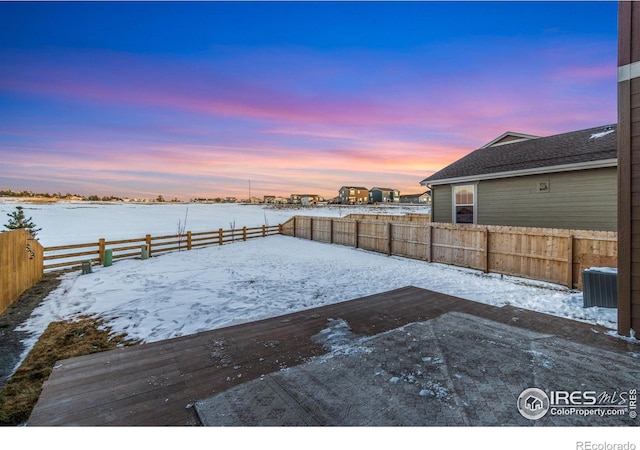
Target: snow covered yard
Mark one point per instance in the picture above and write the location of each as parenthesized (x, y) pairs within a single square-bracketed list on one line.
[(65, 223), (186, 292)]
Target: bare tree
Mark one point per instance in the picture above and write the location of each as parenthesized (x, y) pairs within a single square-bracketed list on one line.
[(182, 226)]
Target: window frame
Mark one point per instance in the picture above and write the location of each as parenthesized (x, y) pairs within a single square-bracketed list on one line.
[(454, 204)]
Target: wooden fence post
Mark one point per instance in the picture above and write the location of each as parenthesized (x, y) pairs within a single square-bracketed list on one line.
[(264, 230), (311, 228), (188, 240), (219, 236), (294, 226), (429, 228), (357, 235), (485, 244), (244, 233), (279, 228), (331, 231), (147, 240), (101, 246), (570, 261), (389, 238)]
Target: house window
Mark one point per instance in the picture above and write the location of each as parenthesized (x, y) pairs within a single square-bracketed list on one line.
[(464, 204)]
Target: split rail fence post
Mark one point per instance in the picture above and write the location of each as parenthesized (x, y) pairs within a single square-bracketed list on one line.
[(294, 226), (311, 228), (264, 230), (219, 236), (188, 240), (147, 240), (101, 246), (389, 238), (244, 233)]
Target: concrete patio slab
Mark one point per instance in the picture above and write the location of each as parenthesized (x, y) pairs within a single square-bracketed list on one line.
[(453, 370)]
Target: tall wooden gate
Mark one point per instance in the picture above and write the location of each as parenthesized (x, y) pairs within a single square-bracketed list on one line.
[(21, 265)]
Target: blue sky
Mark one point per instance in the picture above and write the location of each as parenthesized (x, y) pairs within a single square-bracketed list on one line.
[(195, 99)]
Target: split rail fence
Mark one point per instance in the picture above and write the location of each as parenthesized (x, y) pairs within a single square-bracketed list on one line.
[(66, 257), (553, 255), (21, 259)]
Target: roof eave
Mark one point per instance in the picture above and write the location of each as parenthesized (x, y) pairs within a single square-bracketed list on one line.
[(599, 164)]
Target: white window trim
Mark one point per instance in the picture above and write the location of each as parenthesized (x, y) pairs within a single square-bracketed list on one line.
[(454, 204)]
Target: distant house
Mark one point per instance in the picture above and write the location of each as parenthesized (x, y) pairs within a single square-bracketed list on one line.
[(384, 195), (306, 199), (421, 199), (563, 181), (353, 195), (273, 200), (280, 200)]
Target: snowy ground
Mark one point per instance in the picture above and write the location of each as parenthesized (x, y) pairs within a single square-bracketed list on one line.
[(66, 223), (185, 292), (190, 291)]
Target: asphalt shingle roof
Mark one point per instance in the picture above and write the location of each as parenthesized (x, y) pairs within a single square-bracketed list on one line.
[(593, 144)]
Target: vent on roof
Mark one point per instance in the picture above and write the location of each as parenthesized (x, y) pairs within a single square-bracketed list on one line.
[(607, 130)]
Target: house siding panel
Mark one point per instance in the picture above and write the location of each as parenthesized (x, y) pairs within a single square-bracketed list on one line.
[(585, 199), (441, 204)]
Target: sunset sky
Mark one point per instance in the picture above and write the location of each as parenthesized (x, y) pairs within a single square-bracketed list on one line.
[(207, 99)]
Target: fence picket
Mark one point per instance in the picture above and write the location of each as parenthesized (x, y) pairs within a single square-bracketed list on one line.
[(553, 255), (21, 260)]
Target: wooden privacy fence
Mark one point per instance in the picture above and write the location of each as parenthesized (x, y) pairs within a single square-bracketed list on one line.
[(553, 255), (71, 256), (21, 259)]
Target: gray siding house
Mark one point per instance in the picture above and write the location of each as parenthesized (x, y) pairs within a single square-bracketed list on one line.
[(564, 181), (423, 198), (384, 195)]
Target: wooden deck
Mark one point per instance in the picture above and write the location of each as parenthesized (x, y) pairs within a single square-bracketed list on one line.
[(155, 384)]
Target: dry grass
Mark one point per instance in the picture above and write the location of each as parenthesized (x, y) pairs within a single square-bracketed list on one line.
[(61, 340)]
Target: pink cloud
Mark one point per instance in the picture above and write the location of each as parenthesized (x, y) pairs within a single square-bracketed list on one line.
[(151, 86), (202, 121)]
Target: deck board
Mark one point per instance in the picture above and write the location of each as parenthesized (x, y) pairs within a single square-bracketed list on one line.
[(154, 384)]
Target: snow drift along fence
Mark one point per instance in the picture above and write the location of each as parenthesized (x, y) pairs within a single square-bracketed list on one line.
[(553, 255), (65, 257), (21, 259)]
